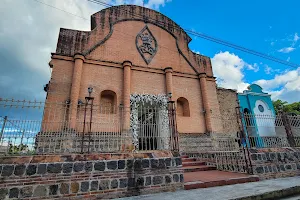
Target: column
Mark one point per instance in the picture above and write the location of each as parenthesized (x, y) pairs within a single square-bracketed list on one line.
[(205, 102), (126, 93), (169, 80), (75, 88)]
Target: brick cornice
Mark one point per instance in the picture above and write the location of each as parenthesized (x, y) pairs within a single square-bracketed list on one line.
[(79, 56), (127, 63), (120, 65), (168, 69)]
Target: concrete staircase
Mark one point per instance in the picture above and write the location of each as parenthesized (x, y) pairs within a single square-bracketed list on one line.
[(191, 165), (198, 175)]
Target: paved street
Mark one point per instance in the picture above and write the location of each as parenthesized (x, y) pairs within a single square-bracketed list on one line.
[(230, 191)]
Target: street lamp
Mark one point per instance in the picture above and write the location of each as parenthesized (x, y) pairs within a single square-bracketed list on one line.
[(90, 90), (87, 100)]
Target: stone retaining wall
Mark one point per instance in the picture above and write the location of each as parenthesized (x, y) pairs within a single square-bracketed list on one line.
[(275, 162), (89, 176), (194, 142)]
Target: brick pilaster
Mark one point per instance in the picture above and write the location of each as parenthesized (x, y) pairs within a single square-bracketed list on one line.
[(126, 93), (169, 80), (206, 105), (75, 89)]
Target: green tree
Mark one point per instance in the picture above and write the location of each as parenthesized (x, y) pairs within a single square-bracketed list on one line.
[(293, 108)]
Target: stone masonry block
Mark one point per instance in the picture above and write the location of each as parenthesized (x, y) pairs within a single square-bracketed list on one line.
[(114, 184), (123, 183), (121, 164), (85, 186), (54, 168), (26, 192), (53, 189), (7, 170), (148, 181), (154, 163), (161, 163), (40, 191), (140, 181), (112, 165), (14, 193), (157, 180), (99, 166), (67, 167), (137, 164), (78, 167), (31, 170), (104, 184), (42, 169), (74, 187), (19, 170), (65, 188), (3, 193), (94, 185), (145, 163), (88, 167), (176, 178)]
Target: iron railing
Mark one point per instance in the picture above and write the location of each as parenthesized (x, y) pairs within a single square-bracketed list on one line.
[(272, 131), (31, 127)]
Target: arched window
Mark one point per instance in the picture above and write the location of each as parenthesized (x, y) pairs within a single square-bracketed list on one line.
[(183, 108), (108, 102)]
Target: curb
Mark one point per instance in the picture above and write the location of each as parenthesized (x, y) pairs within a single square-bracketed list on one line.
[(277, 194)]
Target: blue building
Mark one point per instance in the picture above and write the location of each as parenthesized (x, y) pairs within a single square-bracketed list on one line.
[(259, 112)]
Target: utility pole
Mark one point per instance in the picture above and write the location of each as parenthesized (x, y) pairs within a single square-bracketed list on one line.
[(3, 126)]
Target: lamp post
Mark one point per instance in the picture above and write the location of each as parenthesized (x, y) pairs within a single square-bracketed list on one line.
[(172, 124), (87, 100)]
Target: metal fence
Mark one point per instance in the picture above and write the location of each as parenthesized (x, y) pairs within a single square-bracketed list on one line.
[(31, 127), (272, 131)]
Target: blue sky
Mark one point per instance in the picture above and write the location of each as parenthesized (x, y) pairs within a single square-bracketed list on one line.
[(270, 28), (29, 30)]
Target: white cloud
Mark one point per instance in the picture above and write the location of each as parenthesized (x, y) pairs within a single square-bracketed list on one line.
[(296, 37), (279, 80), (228, 68), (28, 34), (285, 86), (286, 49), (268, 69), (288, 59), (253, 67)]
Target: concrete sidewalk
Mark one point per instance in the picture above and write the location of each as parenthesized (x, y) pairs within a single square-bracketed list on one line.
[(268, 189)]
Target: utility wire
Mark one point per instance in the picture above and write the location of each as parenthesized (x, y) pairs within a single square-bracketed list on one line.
[(120, 32), (197, 34), (213, 39)]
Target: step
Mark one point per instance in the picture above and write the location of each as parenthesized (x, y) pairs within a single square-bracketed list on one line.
[(230, 181), (194, 163), (184, 156), (198, 168), (188, 159)]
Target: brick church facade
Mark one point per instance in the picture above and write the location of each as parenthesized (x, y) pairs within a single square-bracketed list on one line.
[(135, 50)]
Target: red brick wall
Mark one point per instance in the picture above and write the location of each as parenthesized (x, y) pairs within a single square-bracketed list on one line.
[(103, 70)]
